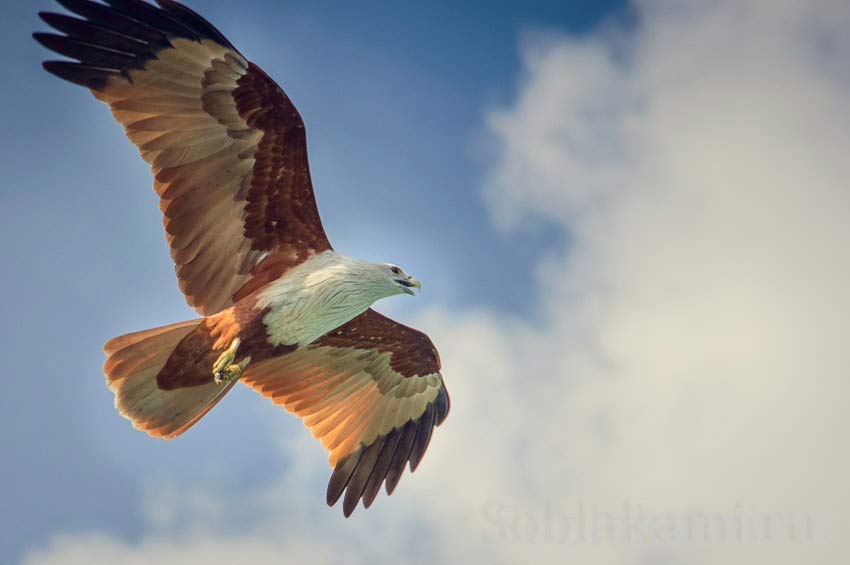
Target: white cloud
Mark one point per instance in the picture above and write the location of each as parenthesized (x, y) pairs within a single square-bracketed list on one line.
[(691, 354), (200, 549)]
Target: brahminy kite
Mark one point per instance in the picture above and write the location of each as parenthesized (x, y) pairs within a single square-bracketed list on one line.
[(283, 312)]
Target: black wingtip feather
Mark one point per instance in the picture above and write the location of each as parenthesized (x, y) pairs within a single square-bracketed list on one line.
[(361, 475), (379, 472), (154, 17), (442, 405), (402, 454), (86, 53), (96, 35), (341, 476), (195, 21), (116, 22), (423, 438), (83, 75)]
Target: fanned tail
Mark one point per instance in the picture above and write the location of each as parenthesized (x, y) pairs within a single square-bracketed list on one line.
[(133, 364)]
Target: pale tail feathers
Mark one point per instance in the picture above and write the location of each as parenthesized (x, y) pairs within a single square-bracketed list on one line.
[(133, 362)]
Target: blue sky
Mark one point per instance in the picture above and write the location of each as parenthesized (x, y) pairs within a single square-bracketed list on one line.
[(657, 328), (394, 95)]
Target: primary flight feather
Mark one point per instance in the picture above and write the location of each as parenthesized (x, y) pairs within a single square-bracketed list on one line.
[(283, 312)]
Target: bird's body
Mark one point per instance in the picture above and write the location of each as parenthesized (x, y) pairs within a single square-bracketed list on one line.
[(283, 312)]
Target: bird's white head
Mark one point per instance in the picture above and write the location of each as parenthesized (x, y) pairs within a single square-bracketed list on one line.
[(391, 279), (336, 277)]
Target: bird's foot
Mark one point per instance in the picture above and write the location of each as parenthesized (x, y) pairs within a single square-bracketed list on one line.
[(224, 368)]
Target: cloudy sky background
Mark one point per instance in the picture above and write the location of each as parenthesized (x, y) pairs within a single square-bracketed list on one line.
[(631, 225)]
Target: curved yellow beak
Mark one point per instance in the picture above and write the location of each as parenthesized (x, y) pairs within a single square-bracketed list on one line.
[(412, 282)]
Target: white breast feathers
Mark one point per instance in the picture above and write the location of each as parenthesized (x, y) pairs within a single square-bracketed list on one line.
[(319, 295)]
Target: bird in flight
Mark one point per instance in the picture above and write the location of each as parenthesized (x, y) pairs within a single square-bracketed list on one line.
[(282, 311)]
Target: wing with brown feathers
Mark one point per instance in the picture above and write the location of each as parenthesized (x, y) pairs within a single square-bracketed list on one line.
[(226, 145), (371, 391)]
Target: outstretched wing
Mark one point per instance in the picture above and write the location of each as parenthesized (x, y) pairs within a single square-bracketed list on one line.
[(371, 391), (226, 145)]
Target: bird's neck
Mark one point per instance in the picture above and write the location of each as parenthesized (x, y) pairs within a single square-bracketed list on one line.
[(315, 297)]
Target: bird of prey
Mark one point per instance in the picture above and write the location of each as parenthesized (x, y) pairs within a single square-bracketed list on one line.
[(282, 311)]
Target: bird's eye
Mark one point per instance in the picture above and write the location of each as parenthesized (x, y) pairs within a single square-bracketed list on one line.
[(395, 271)]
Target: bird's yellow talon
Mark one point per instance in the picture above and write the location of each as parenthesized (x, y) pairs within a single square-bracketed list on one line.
[(224, 368)]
